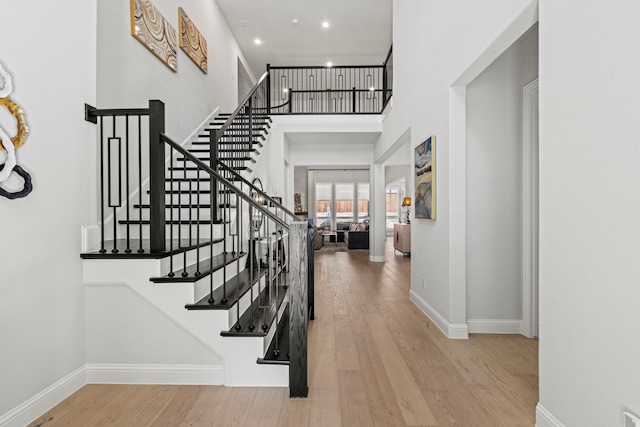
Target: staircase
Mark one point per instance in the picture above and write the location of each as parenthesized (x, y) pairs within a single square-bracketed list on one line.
[(201, 243)]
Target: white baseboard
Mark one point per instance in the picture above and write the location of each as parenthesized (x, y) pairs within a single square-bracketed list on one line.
[(155, 374), (451, 330), (33, 408), (379, 258), (544, 418), (109, 374), (494, 326)]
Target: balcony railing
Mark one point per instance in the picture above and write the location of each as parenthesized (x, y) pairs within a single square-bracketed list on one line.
[(354, 89)]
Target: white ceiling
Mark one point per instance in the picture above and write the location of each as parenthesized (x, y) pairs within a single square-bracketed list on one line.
[(359, 32)]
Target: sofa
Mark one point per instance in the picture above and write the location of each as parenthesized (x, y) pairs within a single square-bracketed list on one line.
[(341, 228), (357, 237)]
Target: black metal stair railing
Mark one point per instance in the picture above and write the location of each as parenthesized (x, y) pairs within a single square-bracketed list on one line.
[(242, 134), (209, 221), (125, 159), (271, 268)]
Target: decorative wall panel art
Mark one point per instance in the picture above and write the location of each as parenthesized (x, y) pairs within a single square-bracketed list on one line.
[(425, 196), (154, 32), (9, 145), (191, 41)]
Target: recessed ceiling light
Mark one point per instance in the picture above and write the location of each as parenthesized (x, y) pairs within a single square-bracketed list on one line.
[(329, 64), (294, 21), (325, 24), (258, 42)]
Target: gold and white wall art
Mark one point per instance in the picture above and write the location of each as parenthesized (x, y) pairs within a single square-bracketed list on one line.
[(191, 41), (154, 32)]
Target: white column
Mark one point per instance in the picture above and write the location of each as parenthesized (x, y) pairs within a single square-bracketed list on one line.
[(378, 213)]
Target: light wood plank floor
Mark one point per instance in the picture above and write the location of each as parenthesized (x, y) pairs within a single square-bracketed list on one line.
[(375, 360)]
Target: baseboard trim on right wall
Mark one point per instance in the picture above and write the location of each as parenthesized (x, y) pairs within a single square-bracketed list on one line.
[(494, 326), (451, 330), (544, 418)]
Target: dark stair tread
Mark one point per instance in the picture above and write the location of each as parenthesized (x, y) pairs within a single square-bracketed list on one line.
[(187, 206), (236, 135), (236, 287), (178, 246), (169, 191), (282, 356), (205, 267), (261, 313), (243, 115), (184, 221), (231, 150), (242, 125), (195, 168)]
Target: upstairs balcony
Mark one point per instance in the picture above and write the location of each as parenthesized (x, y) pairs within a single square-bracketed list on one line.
[(350, 89)]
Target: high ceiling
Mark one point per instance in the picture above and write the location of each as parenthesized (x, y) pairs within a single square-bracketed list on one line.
[(359, 31)]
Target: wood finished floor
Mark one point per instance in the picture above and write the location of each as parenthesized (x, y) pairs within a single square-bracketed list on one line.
[(375, 360)]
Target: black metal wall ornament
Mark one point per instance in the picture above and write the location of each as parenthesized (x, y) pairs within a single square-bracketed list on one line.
[(9, 144)]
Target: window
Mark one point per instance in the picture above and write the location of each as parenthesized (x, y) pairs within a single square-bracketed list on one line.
[(344, 202), (392, 207), (363, 201), (323, 204)]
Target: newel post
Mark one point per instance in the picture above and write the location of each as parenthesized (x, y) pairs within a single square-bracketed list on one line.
[(156, 176), (298, 310)]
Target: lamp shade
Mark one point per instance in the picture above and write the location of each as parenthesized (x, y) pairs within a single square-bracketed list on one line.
[(406, 202)]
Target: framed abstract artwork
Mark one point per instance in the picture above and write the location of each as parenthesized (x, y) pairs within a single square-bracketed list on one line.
[(425, 195), (150, 28), (191, 41)]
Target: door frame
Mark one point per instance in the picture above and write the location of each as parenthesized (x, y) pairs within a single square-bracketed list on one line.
[(530, 210)]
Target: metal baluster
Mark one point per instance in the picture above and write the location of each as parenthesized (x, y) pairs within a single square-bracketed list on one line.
[(189, 202), (252, 268), (212, 199), (140, 249), (128, 248), (238, 325), (171, 208), (109, 171), (197, 173), (102, 238)]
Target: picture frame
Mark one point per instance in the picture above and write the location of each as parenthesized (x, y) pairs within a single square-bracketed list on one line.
[(192, 42), (425, 179), (150, 28)]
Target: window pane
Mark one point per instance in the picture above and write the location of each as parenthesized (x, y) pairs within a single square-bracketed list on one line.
[(392, 207), (363, 201), (344, 202), (323, 204)]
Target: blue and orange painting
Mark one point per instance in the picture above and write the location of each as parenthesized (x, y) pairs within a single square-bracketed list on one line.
[(425, 191)]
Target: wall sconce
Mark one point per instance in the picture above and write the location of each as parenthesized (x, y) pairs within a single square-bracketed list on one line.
[(406, 207)]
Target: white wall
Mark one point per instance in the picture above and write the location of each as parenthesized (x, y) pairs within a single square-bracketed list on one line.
[(435, 42), (137, 332), (50, 49), (589, 204), (494, 185), (129, 75)]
